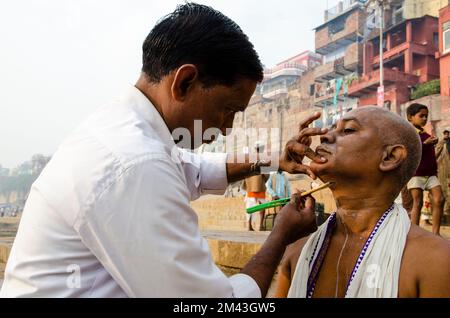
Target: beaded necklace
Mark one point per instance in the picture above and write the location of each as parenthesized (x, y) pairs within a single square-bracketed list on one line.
[(318, 262)]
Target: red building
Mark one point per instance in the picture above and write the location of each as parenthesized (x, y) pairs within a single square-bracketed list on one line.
[(444, 60), (409, 49), (444, 49)]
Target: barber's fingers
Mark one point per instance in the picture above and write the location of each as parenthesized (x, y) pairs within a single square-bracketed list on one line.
[(301, 203), (309, 132), (308, 121), (299, 168), (299, 150), (310, 202), (305, 135)]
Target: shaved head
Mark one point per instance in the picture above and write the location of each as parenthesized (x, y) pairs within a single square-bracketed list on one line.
[(392, 130)]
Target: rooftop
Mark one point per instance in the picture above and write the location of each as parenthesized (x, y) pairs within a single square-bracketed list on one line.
[(343, 8)]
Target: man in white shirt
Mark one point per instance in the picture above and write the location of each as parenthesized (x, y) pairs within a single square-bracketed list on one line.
[(110, 215)]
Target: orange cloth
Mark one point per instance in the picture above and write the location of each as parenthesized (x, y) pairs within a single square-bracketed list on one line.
[(259, 195)]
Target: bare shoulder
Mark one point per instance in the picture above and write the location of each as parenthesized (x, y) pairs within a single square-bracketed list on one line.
[(426, 262), (292, 254), (423, 243)]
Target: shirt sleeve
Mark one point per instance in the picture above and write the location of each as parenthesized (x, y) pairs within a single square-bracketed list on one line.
[(205, 173), (145, 234), (269, 187)]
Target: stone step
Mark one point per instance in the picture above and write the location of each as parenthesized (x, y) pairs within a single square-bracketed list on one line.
[(232, 250)]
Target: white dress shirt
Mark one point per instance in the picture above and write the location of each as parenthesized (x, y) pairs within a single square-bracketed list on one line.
[(110, 215)]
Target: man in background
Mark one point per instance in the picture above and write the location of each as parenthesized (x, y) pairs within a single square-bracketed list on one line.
[(278, 186), (425, 178), (255, 187), (443, 162)]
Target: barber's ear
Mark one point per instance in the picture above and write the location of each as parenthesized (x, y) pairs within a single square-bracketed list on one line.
[(393, 157), (185, 76)]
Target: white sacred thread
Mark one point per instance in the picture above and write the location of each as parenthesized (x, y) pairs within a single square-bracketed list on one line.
[(339, 259)]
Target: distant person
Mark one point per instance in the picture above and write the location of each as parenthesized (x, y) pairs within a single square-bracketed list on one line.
[(278, 185), (255, 195), (255, 188), (443, 162), (425, 178)]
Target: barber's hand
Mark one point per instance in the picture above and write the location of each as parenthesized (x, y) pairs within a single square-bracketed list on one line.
[(299, 147), (296, 219)]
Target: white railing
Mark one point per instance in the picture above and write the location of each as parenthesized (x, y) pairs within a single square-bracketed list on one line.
[(341, 7)]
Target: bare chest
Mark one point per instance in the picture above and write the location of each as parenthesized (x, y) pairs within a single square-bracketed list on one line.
[(336, 269), (338, 265)]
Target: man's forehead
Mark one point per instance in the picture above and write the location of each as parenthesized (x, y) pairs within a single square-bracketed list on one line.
[(367, 114), (360, 116)]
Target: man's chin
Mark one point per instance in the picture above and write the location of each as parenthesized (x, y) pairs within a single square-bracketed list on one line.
[(321, 170), (317, 168)]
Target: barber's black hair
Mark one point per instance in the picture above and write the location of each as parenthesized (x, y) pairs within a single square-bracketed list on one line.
[(413, 109), (446, 131), (198, 34)]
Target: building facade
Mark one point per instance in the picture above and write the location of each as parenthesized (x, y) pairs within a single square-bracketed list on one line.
[(339, 40), (409, 49), (444, 50), (278, 79)]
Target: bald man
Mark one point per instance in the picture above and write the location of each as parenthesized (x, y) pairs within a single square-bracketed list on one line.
[(367, 248)]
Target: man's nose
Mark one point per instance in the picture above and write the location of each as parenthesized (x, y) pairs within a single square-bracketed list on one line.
[(328, 138)]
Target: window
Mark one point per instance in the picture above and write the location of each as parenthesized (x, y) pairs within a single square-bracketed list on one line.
[(446, 26), (436, 39), (446, 41), (311, 90), (337, 26)]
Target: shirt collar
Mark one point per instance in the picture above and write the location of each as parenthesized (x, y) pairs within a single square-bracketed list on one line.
[(419, 130), (142, 105)]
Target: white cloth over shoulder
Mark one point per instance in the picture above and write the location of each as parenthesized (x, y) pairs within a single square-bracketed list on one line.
[(110, 215), (378, 273)]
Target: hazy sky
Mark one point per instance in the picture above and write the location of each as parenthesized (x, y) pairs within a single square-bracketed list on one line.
[(60, 59)]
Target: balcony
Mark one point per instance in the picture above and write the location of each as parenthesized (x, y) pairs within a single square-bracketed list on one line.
[(369, 83), (276, 92), (325, 72), (341, 66), (268, 75), (324, 92)]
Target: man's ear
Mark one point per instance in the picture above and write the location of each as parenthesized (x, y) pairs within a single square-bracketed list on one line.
[(393, 157), (184, 78)]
